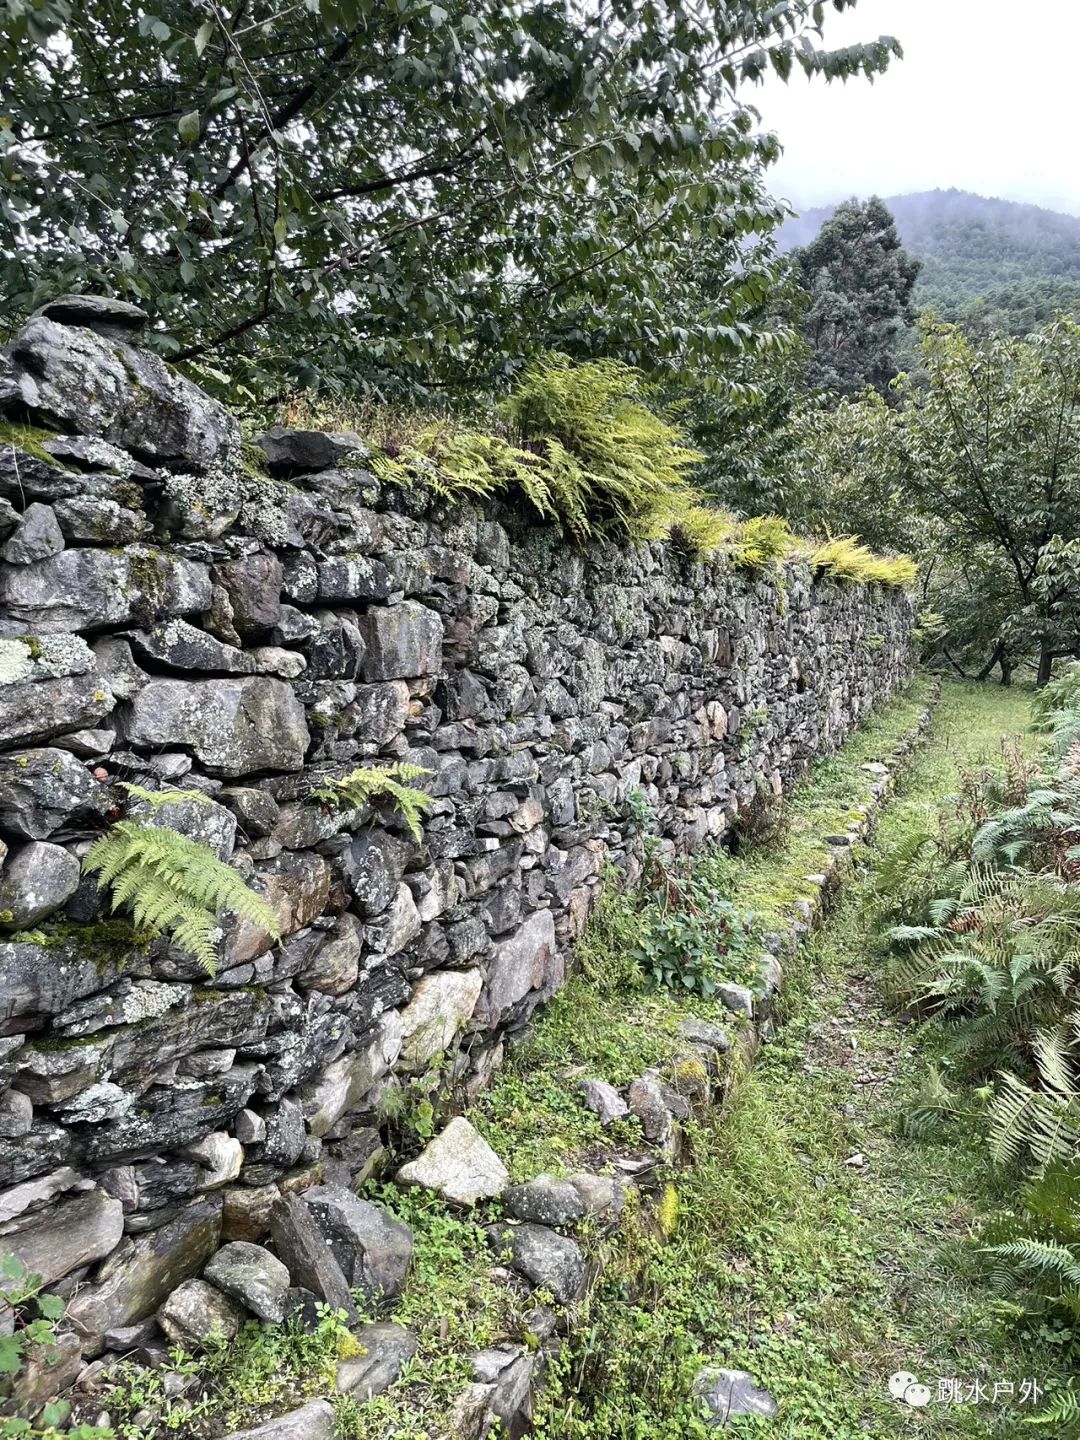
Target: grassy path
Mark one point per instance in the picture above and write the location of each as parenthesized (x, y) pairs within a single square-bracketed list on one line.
[(850, 1234), (815, 1245)]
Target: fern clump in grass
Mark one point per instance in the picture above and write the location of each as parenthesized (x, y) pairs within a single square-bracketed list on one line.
[(372, 783), (170, 884)]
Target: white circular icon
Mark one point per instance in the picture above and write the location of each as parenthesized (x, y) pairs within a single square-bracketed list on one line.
[(900, 1383), (917, 1395)]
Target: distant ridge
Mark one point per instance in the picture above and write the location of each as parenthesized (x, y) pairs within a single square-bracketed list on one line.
[(1015, 263)]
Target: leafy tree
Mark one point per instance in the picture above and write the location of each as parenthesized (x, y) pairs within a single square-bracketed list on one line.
[(995, 450), (398, 195), (859, 282)]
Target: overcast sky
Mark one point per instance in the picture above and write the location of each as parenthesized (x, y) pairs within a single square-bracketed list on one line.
[(987, 98)]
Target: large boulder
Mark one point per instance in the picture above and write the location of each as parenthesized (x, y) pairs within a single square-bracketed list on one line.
[(551, 1261), (253, 1276), (89, 589), (524, 961), (440, 1007), (78, 379), (234, 727)]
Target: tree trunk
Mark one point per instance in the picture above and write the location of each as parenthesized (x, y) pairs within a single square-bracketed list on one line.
[(1046, 665), (998, 654)]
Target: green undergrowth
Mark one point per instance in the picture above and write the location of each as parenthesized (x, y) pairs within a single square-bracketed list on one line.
[(817, 1246)]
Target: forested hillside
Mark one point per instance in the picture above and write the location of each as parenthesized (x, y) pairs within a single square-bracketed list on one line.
[(992, 263)]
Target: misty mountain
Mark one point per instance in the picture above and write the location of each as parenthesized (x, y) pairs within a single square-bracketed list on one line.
[(989, 263)]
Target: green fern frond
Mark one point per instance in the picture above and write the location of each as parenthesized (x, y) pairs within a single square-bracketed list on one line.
[(371, 783), (172, 885), (157, 798)]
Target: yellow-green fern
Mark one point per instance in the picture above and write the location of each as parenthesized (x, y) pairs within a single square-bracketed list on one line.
[(845, 559), (369, 784)]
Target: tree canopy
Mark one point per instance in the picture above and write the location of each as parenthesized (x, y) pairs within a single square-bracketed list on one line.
[(405, 194)]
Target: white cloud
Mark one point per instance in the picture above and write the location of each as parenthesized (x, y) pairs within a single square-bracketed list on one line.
[(979, 102)]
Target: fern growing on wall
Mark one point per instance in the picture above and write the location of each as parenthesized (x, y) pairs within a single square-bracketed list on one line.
[(170, 884), (372, 783)]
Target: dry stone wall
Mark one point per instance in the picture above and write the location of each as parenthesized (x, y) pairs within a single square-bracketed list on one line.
[(169, 617)]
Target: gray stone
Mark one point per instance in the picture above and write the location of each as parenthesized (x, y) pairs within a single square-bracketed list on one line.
[(545, 1200), (459, 1165), (736, 998), (273, 660), (387, 1349), (38, 709), (290, 451), (87, 744), (41, 789), (731, 1393), (147, 1271), (403, 641), (201, 820), (184, 647), (647, 1102), (196, 1312), (553, 1262), (506, 1373), (220, 1157), (400, 925), (374, 864), (307, 1254), (35, 882), (37, 536), (87, 589), (71, 1233), (253, 585), (520, 963), (115, 319), (603, 1100), (256, 811), (99, 519), (372, 1248), (334, 966), (70, 377), (344, 1083), (440, 1007), (703, 1034), (600, 1195), (234, 727), (46, 979), (26, 477), (251, 1275), (313, 1421), (351, 578), (16, 1114)]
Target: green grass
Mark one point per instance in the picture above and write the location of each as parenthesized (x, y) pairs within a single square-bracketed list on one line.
[(820, 1277)]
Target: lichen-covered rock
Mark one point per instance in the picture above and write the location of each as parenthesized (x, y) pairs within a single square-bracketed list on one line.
[(39, 709), (313, 1421), (402, 641), (545, 1200), (87, 589), (40, 790), (553, 1262), (604, 1101), (44, 979), (87, 519), (234, 727), (253, 585), (36, 537), (36, 880), (197, 1312), (253, 1276), (307, 1253), (440, 1007), (182, 646), (372, 1248), (459, 1165), (74, 378)]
